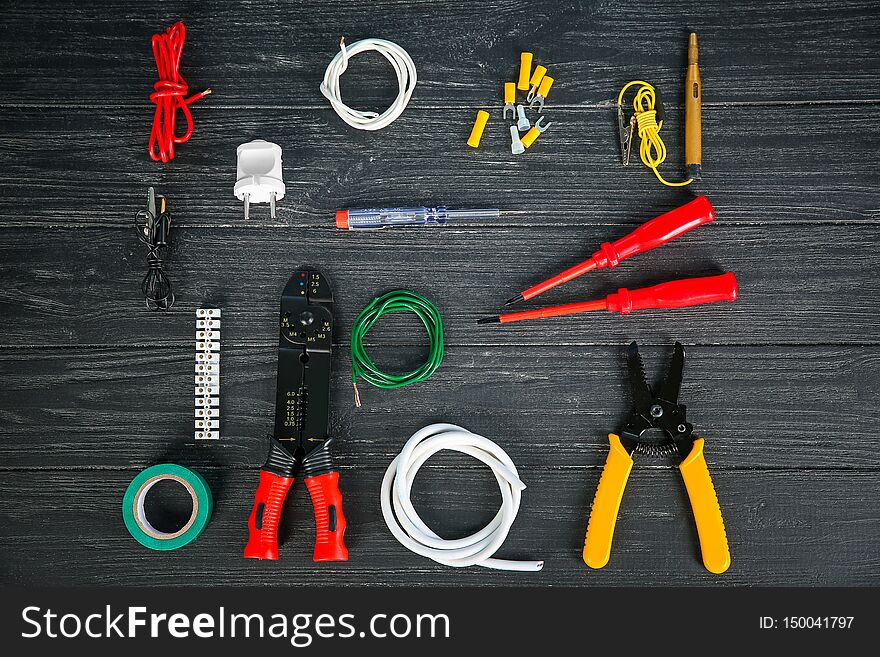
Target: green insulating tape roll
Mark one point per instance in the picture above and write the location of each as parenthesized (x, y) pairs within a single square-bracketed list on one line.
[(135, 517)]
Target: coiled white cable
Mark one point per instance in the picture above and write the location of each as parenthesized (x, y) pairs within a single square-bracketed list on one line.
[(405, 523), (406, 80)]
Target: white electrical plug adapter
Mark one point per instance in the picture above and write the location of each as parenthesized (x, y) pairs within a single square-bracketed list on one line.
[(259, 178)]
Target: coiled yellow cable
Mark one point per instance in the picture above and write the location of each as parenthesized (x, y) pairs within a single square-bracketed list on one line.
[(652, 150)]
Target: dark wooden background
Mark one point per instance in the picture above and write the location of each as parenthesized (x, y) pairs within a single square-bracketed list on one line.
[(783, 383)]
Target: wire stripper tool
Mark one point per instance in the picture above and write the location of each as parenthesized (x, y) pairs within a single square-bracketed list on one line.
[(301, 439), (658, 409)]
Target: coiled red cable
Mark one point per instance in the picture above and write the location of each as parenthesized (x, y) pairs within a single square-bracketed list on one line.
[(169, 94)]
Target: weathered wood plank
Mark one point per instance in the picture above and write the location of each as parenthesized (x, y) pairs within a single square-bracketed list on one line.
[(82, 286), (93, 387), (269, 52), (785, 528), (758, 407), (69, 166)]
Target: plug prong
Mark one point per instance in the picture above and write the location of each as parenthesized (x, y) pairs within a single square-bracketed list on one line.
[(272, 205), (247, 206)]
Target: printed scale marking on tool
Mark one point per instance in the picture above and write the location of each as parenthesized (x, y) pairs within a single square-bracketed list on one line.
[(301, 423), (657, 409)]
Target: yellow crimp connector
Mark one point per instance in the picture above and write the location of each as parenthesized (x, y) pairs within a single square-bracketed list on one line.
[(509, 93), (529, 138), (477, 131), (525, 69), (538, 75), (546, 83)]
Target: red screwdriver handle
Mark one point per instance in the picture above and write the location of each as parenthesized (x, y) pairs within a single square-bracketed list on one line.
[(263, 521), (649, 235), (329, 519), (656, 232), (675, 294)]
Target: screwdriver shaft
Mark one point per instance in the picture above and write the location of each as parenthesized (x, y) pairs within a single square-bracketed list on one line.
[(570, 273), (554, 311)]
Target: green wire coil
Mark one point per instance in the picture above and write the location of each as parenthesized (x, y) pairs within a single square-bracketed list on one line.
[(397, 301)]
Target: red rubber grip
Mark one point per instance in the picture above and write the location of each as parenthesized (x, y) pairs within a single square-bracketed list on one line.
[(263, 521), (329, 520)]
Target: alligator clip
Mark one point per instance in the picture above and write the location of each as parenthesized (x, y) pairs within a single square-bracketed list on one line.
[(657, 409), (301, 437), (153, 218), (625, 131)]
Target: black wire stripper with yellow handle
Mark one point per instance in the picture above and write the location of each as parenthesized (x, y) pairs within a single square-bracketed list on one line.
[(657, 410)]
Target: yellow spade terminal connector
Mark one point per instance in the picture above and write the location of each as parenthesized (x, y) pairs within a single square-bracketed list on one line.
[(477, 131), (534, 132), (546, 83), (537, 76), (509, 99), (543, 90), (525, 69), (529, 138)]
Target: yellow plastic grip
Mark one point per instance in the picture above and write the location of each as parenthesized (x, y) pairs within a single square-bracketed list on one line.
[(529, 138), (525, 69), (606, 504), (707, 513), (546, 83), (477, 131), (509, 92), (538, 75)]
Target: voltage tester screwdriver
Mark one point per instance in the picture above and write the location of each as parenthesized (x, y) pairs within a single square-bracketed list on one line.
[(674, 294), (650, 235), (693, 139), (375, 218)]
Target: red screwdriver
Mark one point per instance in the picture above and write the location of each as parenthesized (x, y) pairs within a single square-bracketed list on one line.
[(649, 235), (674, 294)]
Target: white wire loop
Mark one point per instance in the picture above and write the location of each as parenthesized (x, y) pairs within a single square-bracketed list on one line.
[(409, 529), (406, 80)]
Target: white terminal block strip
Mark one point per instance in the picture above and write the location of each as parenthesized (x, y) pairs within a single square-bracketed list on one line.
[(259, 178), (207, 374)]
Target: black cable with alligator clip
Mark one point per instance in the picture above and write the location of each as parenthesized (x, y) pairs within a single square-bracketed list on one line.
[(153, 228)]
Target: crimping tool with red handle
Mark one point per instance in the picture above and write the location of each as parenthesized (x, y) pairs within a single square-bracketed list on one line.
[(301, 437)]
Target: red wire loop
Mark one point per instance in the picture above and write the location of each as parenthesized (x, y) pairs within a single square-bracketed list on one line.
[(169, 94)]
